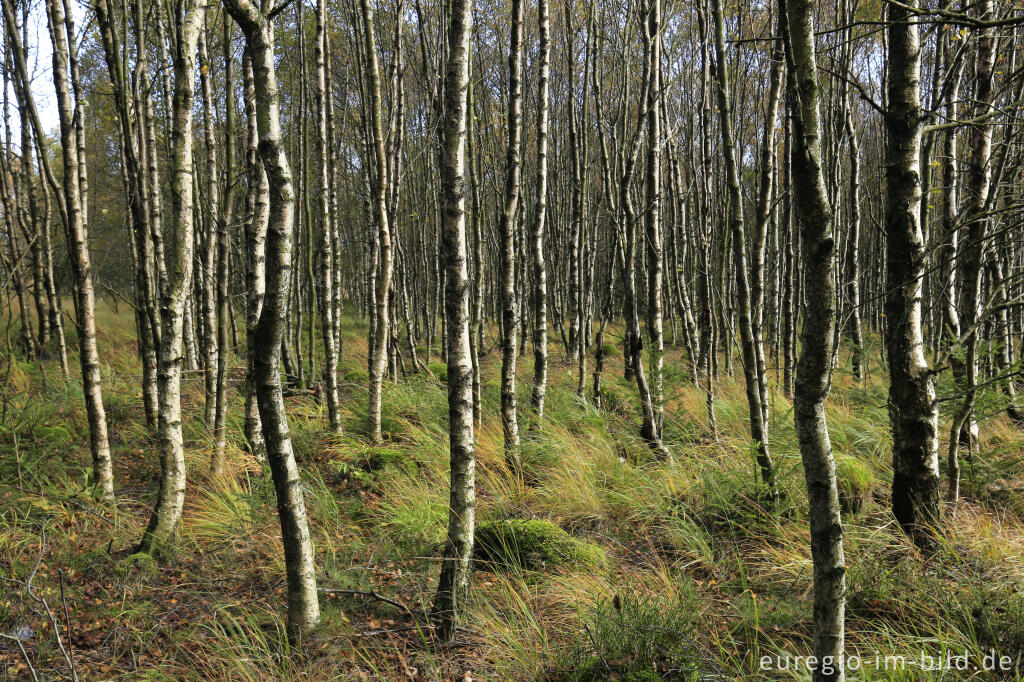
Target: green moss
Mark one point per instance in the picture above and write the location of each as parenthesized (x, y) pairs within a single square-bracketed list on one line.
[(356, 376), (439, 370), (135, 565), (534, 544), (855, 480)]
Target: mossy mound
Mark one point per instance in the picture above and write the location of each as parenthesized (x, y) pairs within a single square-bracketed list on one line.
[(439, 370), (356, 376), (534, 545), (855, 480), (136, 565)]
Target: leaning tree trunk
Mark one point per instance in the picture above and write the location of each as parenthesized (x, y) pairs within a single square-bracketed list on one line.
[(814, 367), (303, 605), (913, 410), (453, 585)]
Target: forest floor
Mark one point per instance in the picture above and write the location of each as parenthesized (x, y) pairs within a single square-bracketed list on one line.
[(701, 581)]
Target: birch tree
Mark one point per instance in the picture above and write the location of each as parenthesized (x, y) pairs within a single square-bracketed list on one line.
[(814, 368), (268, 335), (453, 585)]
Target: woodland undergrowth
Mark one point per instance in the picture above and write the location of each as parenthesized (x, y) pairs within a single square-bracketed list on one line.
[(702, 578)]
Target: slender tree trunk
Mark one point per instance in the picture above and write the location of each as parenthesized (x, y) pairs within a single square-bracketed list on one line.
[(853, 253), (507, 231), (653, 241), (74, 216), (913, 410), (758, 426), (327, 292), (257, 203), (303, 604), (540, 275), (163, 522), (224, 219), (378, 354), (453, 586), (207, 278), (814, 369), (972, 255)]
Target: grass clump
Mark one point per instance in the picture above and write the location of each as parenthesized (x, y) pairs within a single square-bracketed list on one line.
[(636, 637), (356, 376), (439, 370), (384, 459), (856, 481), (534, 544)]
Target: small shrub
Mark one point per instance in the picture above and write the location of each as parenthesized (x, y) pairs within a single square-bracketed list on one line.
[(534, 544)]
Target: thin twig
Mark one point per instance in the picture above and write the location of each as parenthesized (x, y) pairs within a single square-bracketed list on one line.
[(46, 605), (24, 654), (67, 619)]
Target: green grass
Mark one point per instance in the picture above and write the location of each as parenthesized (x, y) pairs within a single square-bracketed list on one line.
[(698, 576)]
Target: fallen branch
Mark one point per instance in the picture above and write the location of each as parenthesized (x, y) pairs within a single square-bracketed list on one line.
[(369, 594)]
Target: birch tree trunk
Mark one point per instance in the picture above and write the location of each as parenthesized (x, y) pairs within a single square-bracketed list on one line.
[(814, 367), (163, 522), (972, 256), (257, 204), (653, 212), (507, 232), (74, 215), (540, 277), (385, 260), (303, 604), (207, 278), (327, 244), (453, 585), (913, 410), (224, 219), (758, 426)]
